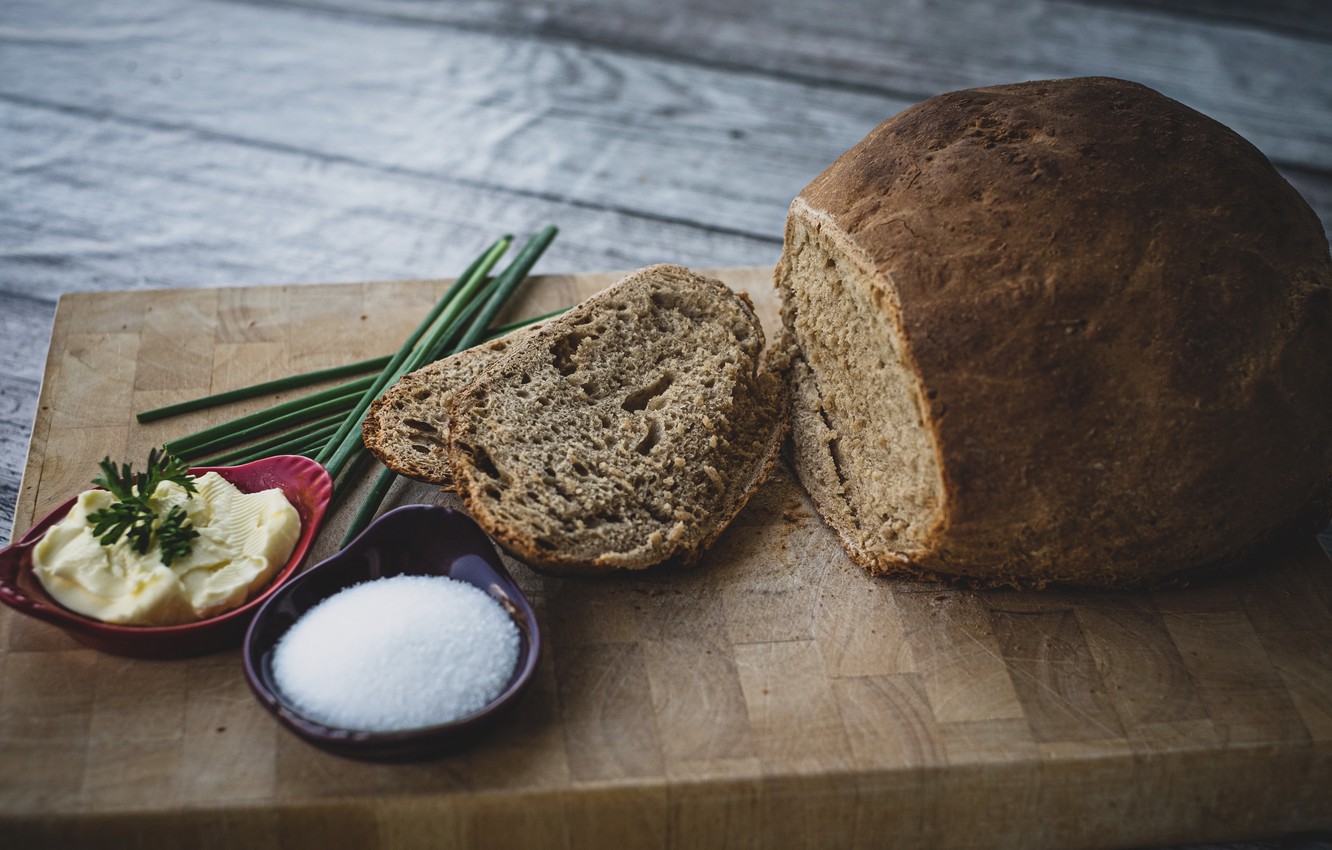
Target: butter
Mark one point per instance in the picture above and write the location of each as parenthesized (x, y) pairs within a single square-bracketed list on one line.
[(244, 539)]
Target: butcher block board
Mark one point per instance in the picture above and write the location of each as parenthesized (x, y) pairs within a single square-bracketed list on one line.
[(772, 696)]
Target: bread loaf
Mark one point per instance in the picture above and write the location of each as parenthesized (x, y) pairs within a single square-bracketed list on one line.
[(1063, 331), (627, 432)]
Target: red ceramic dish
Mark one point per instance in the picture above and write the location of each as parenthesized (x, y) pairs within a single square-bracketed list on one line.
[(305, 484)]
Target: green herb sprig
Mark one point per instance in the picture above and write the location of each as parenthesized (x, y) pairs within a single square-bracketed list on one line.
[(134, 516), (175, 535)]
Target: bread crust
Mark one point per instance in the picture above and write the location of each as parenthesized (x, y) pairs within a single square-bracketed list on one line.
[(1120, 315)]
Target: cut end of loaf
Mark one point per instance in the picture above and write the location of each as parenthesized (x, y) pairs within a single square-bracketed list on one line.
[(860, 444)]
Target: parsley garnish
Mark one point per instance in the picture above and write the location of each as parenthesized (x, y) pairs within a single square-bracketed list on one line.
[(175, 535), (135, 516)]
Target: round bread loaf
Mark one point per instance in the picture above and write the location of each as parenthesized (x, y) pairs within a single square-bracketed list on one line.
[(1065, 331)]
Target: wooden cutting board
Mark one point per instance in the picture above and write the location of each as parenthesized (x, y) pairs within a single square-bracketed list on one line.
[(772, 696)]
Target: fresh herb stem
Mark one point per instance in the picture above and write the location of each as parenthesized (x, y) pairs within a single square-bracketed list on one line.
[(190, 442), (344, 444), (301, 443), (307, 444), (284, 443), (496, 333), (307, 378), (370, 506), (443, 341), (210, 441), (498, 292), (506, 283), (355, 471), (255, 390)]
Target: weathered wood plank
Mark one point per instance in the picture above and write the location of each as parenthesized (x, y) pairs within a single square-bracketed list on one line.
[(157, 207), (1305, 18), (527, 120), (25, 327), (575, 118), (588, 100), (1266, 82)]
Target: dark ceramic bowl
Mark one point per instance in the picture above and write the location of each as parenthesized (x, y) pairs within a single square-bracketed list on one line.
[(412, 540), (305, 484)]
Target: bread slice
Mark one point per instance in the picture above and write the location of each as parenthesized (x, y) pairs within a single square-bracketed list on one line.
[(627, 432), (407, 427), (1062, 331)]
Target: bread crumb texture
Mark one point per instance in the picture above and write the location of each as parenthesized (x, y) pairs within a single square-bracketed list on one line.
[(1064, 331), (407, 427), (627, 432), (861, 432)]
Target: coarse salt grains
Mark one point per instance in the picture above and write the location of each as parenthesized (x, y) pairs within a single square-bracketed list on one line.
[(397, 653)]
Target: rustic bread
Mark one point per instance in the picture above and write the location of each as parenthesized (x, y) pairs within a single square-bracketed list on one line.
[(407, 427), (627, 432), (1064, 331)]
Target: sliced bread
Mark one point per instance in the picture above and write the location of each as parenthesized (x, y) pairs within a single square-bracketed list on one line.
[(407, 427), (627, 432)]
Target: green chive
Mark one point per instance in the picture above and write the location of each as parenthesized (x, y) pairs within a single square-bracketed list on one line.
[(281, 443), (496, 333), (507, 282), (266, 388), (499, 292), (341, 446), (259, 424), (370, 506)]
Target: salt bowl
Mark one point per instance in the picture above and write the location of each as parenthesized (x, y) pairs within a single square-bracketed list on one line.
[(404, 545)]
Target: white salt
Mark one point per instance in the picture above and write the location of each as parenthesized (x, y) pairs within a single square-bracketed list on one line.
[(397, 653)]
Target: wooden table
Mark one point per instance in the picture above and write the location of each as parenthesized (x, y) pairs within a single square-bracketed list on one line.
[(165, 144)]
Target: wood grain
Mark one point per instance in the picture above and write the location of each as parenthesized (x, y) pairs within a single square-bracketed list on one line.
[(772, 696), (894, 48)]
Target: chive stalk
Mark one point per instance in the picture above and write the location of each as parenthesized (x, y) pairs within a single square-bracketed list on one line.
[(506, 283), (498, 293), (303, 444), (242, 430), (340, 447), (281, 443), (496, 333), (266, 388), (303, 404), (307, 378), (370, 506)]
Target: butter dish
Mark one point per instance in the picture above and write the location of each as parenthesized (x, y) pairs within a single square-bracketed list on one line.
[(304, 483)]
